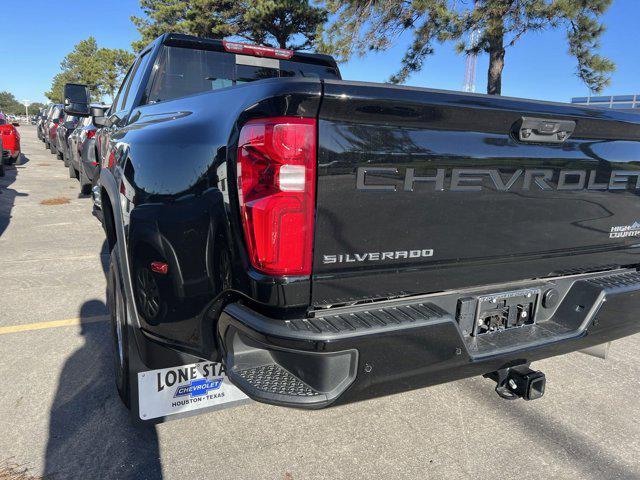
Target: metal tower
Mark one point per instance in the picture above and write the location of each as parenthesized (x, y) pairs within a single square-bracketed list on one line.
[(471, 62)]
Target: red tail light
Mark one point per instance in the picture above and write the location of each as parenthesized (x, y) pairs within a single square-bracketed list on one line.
[(257, 50), (276, 186), (91, 133)]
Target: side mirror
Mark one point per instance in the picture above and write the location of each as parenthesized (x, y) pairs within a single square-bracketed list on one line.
[(76, 99)]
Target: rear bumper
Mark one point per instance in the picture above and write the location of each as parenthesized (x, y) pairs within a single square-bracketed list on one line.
[(363, 352)]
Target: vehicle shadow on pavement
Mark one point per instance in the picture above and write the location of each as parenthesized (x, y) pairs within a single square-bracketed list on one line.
[(23, 161), (8, 195), (90, 432), (568, 442)]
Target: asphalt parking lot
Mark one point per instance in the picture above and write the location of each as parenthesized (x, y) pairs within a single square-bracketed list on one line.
[(60, 416)]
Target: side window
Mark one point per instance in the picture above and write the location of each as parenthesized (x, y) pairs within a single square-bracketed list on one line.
[(134, 85), (114, 105)]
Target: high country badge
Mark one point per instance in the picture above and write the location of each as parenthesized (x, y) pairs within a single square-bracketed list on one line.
[(622, 231)]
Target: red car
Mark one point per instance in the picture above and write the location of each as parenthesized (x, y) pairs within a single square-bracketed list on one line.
[(10, 140)]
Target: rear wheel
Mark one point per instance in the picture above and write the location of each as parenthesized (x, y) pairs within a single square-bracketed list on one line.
[(149, 297), (119, 331), (1, 168)]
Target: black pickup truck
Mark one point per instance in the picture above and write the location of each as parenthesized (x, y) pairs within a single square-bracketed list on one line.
[(330, 241)]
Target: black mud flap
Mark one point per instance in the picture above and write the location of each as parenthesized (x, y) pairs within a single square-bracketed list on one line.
[(175, 385), (165, 384)]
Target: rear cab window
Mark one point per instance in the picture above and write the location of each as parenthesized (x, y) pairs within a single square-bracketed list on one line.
[(182, 71)]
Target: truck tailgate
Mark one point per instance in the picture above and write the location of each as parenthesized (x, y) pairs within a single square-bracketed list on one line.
[(422, 191)]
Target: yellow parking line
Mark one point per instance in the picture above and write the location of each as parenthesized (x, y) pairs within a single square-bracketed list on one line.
[(54, 324)]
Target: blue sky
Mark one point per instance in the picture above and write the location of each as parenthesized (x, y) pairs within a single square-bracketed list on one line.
[(35, 41)]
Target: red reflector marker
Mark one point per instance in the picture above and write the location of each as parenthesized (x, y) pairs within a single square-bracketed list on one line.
[(160, 267), (277, 184), (256, 50)]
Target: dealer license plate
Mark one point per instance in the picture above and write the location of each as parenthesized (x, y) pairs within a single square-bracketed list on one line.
[(170, 391)]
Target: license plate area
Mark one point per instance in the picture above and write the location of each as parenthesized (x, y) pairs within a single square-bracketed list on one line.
[(505, 310)]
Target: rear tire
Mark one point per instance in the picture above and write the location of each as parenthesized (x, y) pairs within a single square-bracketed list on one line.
[(119, 331)]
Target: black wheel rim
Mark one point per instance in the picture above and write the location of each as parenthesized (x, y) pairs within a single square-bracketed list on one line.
[(148, 294)]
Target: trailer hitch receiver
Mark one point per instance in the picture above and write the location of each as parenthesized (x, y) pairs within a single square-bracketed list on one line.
[(519, 382)]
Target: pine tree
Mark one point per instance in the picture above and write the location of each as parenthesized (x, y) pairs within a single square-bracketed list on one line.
[(365, 25), (101, 69), (278, 23), (281, 23), (203, 18)]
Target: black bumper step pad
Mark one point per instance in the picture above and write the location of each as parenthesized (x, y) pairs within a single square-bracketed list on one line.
[(276, 380)]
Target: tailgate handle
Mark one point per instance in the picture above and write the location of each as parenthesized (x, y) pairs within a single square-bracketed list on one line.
[(544, 130)]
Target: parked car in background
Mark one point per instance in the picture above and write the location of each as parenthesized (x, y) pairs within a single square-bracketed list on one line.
[(10, 140), (66, 126), (82, 159), (46, 123), (42, 121), (1, 162), (72, 142), (56, 117)]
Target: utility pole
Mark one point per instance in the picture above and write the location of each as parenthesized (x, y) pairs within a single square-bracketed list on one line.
[(26, 104), (471, 62)]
